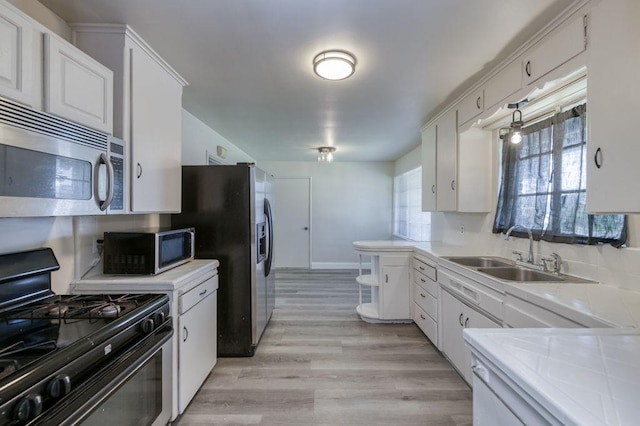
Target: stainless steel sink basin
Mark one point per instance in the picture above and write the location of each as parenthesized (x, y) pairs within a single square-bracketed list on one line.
[(480, 261), (519, 274)]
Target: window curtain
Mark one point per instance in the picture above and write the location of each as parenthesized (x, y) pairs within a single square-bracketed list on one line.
[(543, 185)]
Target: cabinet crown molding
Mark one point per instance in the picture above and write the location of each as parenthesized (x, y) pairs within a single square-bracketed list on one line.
[(127, 31)]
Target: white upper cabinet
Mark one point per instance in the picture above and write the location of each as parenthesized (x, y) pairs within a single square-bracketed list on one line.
[(43, 71), (429, 140), (471, 106), (446, 162), (502, 85), (147, 113), (614, 104), (76, 86), (554, 50), (16, 47)]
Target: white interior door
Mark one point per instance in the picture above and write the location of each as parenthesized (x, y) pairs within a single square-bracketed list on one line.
[(292, 222)]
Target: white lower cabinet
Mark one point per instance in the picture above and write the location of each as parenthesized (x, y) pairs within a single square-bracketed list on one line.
[(425, 297), (456, 316), (489, 409), (389, 282), (198, 350)]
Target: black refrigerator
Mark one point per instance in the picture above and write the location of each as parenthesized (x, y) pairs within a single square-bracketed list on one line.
[(230, 209)]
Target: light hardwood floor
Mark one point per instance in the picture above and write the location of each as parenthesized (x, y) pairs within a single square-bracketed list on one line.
[(319, 364)]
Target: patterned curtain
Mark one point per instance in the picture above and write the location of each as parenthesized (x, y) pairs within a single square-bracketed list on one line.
[(544, 188)]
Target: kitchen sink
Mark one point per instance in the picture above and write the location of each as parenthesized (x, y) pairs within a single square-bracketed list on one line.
[(519, 274), (480, 261)]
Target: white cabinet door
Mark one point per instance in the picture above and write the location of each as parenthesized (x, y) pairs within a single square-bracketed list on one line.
[(452, 323), (76, 86), (555, 50), (447, 159), (455, 317), (396, 295), (155, 135), (505, 83), (471, 106), (429, 139), (612, 149), (16, 47), (198, 347)]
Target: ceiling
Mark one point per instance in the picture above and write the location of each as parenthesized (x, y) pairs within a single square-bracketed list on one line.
[(249, 64)]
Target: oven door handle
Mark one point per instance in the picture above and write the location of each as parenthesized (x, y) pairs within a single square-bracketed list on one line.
[(74, 409)]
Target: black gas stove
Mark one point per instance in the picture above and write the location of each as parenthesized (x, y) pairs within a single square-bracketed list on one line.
[(57, 351)]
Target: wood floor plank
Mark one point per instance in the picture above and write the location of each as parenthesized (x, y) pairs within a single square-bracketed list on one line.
[(319, 364)]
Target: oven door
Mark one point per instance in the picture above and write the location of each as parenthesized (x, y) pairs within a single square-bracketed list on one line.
[(135, 389)]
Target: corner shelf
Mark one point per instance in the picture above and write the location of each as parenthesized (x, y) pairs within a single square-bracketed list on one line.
[(368, 280)]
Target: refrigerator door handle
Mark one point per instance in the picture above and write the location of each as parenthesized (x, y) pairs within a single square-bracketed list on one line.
[(269, 217)]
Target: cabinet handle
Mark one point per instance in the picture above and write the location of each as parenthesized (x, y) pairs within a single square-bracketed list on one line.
[(460, 320), (139, 167), (478, 102), (203, 293), (386, 278), (597, 158), (423, 317), (423, 295), (421, 268), (453, 185), (466, 322), (423, 280), (186, 334), (433, 189), (527, 68)]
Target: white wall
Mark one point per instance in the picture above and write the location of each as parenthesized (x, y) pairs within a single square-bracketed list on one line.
[(349, 202), (198, 138)]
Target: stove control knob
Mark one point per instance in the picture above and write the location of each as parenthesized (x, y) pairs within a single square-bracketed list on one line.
[(159, 318), (59, 386), (147, 325), (28, 408)]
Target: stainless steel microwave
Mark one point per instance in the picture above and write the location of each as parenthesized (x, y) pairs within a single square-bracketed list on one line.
[(53, 167), (148, 251)]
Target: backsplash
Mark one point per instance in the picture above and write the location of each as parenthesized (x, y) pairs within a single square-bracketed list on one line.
[(604, 263)]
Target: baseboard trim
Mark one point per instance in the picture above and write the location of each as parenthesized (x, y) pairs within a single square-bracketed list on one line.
[(339, 265)]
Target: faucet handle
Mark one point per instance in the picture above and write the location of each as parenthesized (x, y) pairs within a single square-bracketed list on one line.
[(557, 262), (518, 254)]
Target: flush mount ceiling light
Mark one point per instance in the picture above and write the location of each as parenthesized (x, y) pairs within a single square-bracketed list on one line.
[(325, 154), (334, 64)]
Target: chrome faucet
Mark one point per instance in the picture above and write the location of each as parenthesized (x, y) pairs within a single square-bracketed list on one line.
[(557, 262), (530, 256)]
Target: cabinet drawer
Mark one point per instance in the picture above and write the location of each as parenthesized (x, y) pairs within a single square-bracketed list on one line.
[(426, 324), (192, 297), (425, 268), (519, 313), (426, 301), (426, 283)]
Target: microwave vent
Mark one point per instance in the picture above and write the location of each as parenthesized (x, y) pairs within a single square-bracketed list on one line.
[(17, 115)]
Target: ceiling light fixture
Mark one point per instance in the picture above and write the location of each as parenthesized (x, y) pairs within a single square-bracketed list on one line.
[(325, 154), (334, 64)]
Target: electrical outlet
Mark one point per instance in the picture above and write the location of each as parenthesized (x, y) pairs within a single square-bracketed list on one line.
[(461, 229)]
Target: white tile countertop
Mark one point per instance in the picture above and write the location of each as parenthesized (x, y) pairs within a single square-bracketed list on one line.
[(170, 280), (607, 304), (579, 376)]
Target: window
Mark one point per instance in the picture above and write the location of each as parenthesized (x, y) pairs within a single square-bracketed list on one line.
[(544, 185), (409, 221)]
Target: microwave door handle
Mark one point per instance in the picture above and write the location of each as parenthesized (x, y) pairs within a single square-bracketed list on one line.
[(104, 204)]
